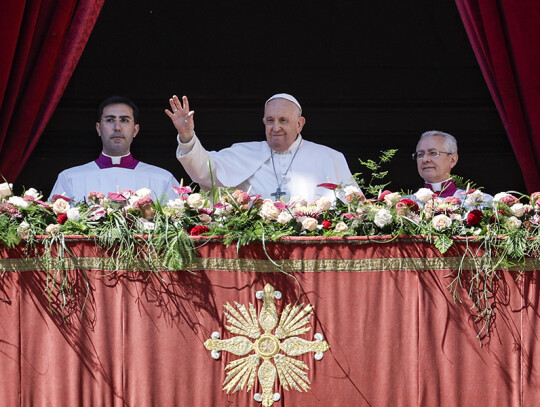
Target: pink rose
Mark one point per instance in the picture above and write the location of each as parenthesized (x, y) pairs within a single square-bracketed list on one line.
[(269, 211), (241, 197), (535, 200), (453, 200), (5, 190)]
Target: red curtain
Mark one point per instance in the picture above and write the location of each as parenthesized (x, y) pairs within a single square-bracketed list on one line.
[(504, 37), (41, 42)]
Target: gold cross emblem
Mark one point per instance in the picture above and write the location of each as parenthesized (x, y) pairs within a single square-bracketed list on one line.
[(273, 349)]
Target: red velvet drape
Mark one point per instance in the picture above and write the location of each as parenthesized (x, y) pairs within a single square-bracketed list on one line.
[(396, 335), (505, 38), (41, 43)]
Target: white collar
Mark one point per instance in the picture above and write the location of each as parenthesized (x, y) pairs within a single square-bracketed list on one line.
[(116, 159), (437, 186), (292, 148)]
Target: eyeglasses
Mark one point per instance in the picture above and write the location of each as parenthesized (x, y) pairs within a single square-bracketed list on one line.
[(111, 120), (431, 154)]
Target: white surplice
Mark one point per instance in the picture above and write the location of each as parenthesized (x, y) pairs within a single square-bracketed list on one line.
[(77, 182), (245, 165)]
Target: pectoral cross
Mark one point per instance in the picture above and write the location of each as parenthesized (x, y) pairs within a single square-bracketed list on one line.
[(278, 194)]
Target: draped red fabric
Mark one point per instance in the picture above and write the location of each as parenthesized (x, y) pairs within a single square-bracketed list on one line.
[(396, 335), (42, 41), (504, 36)]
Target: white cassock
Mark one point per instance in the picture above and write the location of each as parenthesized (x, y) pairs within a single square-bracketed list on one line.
[(296, 171), (77, 182)]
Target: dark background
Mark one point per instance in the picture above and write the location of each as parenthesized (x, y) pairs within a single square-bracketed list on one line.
[(370, 76)]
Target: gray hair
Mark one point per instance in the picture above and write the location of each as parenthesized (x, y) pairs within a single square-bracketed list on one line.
[(450, 143)]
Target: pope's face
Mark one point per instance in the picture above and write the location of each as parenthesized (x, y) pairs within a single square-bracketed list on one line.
[(283, 123), (434, 169), (117, 129)]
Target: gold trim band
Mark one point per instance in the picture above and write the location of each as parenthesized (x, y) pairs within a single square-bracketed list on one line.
[(263, 266)]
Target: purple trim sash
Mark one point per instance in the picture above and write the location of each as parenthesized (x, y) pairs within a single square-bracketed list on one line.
[(448, 188)]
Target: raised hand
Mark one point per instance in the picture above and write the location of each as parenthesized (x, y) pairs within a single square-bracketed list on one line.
[(181, 117)]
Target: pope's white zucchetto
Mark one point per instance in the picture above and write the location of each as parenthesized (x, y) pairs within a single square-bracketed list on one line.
[(285, 96)]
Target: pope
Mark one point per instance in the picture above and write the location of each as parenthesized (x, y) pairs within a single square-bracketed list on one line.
[(284, 166)]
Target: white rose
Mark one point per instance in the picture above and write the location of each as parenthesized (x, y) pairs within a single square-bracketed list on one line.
[(24, 230), (513, 223), (205, 218), (5, 189), (269, 211), (474, 198), (224, 210), (520, 209), (351, 189), (60, 206), (195, 201), (309, 224), (98, 213), (323, 204), (33, 193), (441, 222), (131, 201), (423, 195), (341, 227), (499, 196), (141, 193), (52, 229), (145, 224), (383, 217), (392, 198), (18, 202), (298, 201), (176, 204), (284, 217), (73, 214)]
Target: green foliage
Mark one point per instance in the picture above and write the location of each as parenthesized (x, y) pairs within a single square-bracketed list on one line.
[(375, 184), (443, 243), (462, 183), (9, 236)]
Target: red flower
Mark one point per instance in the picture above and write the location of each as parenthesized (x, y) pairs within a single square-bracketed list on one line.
[(65, 198), (326, 224), (328, 185), (116, 196), (61, 218), (407, 204), (199, 229), (383, 194), (474, 217), (182, 190)]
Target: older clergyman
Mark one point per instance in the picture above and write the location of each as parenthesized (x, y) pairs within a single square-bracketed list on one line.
[(282, 167), (436, 154), (117, 125)]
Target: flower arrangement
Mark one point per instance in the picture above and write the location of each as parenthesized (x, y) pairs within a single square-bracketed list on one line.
[(132, 225)]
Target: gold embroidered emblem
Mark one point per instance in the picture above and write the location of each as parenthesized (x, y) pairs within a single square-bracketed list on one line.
[(273, 349)]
